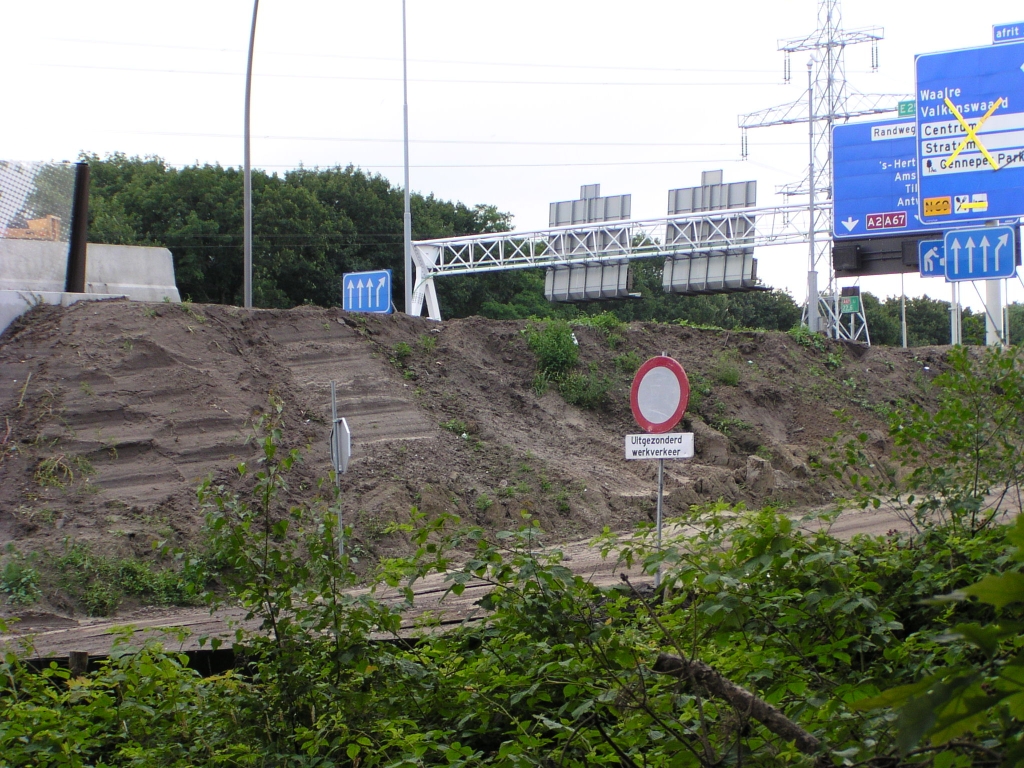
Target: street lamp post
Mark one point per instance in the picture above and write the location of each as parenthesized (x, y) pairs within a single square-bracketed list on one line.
[(407, 215), (247, 189)]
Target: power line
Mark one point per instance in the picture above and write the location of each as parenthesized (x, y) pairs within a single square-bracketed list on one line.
[(484, 142), (491, 165), (454, 62), (446, 81)]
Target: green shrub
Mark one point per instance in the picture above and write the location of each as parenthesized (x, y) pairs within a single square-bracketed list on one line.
[(101, 582), (586, 390), (555, 347), (727, 373), (19, 580), (457, 426), (628, 362)]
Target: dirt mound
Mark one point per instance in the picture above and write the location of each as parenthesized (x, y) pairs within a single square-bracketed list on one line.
[(114, 411)]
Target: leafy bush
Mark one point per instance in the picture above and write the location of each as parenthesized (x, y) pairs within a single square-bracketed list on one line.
[(19, 580), (554, 346), (586, 390)]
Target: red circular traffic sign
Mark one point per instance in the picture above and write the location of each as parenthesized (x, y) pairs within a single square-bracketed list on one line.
[(659, 394)]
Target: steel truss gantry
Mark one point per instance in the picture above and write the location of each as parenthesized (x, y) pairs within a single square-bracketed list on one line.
[(678, 235)]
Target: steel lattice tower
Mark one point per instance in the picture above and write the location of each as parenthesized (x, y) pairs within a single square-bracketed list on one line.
[(831, 99)]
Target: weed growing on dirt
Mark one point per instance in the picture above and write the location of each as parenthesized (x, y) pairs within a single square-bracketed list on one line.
[(608, 324), (483, 502), (700, 390), (555, 347), (557, 354), (19, 580), (428, 343), (190, 311), (456, 426), (728, 373), (833, 360), (86, 388), (401, 353), (803, 336), (586, 390), (59, 471), (100, 583), (628, 362)]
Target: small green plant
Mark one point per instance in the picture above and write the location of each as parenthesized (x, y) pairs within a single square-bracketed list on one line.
[(401, 353), (428, 343), (19, 580), (802, 335), (58, 471), (127, 345), (727, 373), (86, 388), (628, 362), (188, 309), (457, 426), (483, 502), (149, 311), (833, 360), (586, 390), (700, 390)]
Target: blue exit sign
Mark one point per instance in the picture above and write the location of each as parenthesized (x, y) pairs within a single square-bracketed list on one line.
[(1008, 33)]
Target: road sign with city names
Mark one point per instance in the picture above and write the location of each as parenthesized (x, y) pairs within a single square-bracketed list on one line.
[(875, 179), (931, 258), (970, 134), (367, 291), (980, 253)]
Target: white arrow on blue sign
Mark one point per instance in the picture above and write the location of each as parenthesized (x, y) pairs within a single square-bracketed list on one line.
[(367, 291), (981, 253), (931, 258)]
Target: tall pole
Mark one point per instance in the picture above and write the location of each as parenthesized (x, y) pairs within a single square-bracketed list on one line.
[(812, 272), (407, 216), (247, 191)]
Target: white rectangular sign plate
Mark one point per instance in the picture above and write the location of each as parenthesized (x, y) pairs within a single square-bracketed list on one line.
[(670, 445)]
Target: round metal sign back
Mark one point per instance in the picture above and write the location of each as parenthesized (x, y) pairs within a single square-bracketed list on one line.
[(659, 394)]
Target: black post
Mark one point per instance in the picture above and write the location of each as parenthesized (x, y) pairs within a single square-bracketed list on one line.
[(74, 281)]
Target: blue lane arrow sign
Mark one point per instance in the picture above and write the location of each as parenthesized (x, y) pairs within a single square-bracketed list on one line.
[(367, 291), (981, 253), (931, 258)]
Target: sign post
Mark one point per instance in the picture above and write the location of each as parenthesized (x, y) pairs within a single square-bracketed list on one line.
[(341, 452), (658, 398)]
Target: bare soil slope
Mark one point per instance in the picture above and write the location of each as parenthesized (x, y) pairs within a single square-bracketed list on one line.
[(112, 412)]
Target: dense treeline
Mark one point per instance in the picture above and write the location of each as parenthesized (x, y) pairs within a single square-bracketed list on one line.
[(310, 226)]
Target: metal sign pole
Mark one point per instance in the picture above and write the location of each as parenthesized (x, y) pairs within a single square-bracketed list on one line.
[(661, 493), (336, 461)]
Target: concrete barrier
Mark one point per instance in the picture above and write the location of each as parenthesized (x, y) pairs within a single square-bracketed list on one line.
[(33, 271)]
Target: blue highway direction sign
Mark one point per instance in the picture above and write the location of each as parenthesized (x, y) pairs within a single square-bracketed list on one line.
[(981, 253), (931, 258), (367, 291), (875, 179), (970, 134)]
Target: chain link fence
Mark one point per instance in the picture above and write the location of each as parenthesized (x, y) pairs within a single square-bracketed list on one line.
[(35, 200)]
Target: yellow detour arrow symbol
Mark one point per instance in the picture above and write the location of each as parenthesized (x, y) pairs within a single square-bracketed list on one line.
[(972, 132)]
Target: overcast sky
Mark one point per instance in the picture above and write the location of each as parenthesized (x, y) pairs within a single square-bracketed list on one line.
[(514, 104)]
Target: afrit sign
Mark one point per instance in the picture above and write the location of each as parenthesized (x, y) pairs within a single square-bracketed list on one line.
[(367, 291), (875, 179), (970, 134)]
